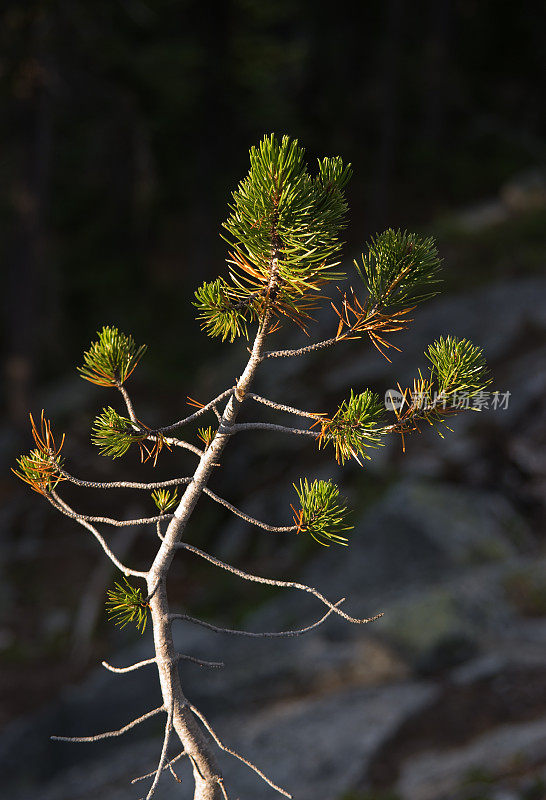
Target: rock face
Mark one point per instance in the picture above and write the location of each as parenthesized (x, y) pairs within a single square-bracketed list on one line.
[(443, 698), (436, 775)]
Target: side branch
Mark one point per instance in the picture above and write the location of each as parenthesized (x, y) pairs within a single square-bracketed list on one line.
[(109, 734), (200, 661), (164, 749), (168, 765), (121, 484), (246, 517), (301, 351), (260, 635), (128, 402), (171, 441), (119, 523), (271, 582), (280, 407), (157, 434), (61, 506), (208, 407), (268, 426), (233, 753), (179, 657), (120, 670)]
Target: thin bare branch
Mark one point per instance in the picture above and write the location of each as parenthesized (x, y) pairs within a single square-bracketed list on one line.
[(168, 765), (110, 734), (260, 635), (122, 484), (120, 670), (173, 442), (233, 753), (179, 657), (128, 402), (118, 523), (61, 506), (280, 407), (208, 407), (246, 517), (173, 773), (200, 661), (164, 749), (272, 582), (268, 426), (301, 351), (170, 441)]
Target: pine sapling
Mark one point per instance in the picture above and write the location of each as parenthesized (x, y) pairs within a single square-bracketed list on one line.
[(283, 232)]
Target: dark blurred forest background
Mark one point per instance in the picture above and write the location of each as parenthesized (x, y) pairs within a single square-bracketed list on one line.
[(126, 124)]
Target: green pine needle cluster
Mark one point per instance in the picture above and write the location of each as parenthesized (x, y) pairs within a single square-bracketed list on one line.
[(126, 604), (280, 200), (220, 311), (114, 434), (206, 435), (400, 269), (165, 499), (355, 427), (42, 467), (111, 359), (40, 470), (321, 514), (284, 231), (458, 366), (458, 372)]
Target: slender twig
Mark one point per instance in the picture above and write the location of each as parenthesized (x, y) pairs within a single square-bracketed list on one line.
[(164, 749), (128, 402), (301, 351), (179, 657), (122, 484), (173, 773), (173, 442), (260, 635), (233, 753), (119, 670), (280, 407), (419, 415), (152, 437), (119, 523), (109, 734), (246, 517), (272, 582), (208, 407), (61, 506), (268, 426), (154, 590), (166, 766), (200, 661)]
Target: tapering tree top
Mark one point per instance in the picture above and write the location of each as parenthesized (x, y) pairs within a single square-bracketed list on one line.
[(280, 210), (283, 230)]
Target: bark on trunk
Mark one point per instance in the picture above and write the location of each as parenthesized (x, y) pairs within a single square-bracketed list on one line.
[(196, 742)]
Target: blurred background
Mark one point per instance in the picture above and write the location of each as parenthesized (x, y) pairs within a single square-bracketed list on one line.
[(125, 126)]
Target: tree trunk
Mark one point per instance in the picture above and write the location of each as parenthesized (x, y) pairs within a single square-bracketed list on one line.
[(197, 744), (194, 741)]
